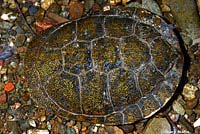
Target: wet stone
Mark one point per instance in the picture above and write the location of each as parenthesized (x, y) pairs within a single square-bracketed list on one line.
[(174, 117), (190, 104), (46, 3), (75, 9), (178, 108), (13, 127), (157, 126), (189, 92), (40, 14), (20, 39), (32, 10), (3, 98), (70, 123), (127, 128), (6, 25), (32, 123), (88, 4), (71, 131), (38, 131), (30, 19), (25, 124), (117, 130), (54, 8)]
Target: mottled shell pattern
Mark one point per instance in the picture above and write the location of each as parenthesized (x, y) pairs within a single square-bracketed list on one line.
[(111, 68)]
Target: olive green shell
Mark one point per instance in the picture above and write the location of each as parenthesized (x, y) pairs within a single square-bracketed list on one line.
[(111, 68)]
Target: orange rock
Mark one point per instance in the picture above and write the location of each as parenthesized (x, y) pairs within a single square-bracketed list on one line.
[(43, 25), (76, 9), (9, 86), (1, 63), (3, 98)]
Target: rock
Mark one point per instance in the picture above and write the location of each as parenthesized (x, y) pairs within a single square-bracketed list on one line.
[(117, 130), (3, 98), (186, 124), (48, 125), (8, 16), (83, 129), (158, 126), (56, 18), (24, 125), (37, 131), (78, 125), (189, 92), (71, 123), (152, 6), (88, 5), (178, 108), (94, 129), (174, 117), (13, 65), (71, 131), (54, 8), (25, 96), (32, 123), (109, 129), (196, 123), (40, 14), (127, 128), (43, 118), (6, 25), (30, 19), (76, 128), (16, 105), (45, 4), (96, 8), (32, 10), (102, 130), (20, 39), (1, 64), (9, 87), (13, 127), (190, 104), (75, 9)]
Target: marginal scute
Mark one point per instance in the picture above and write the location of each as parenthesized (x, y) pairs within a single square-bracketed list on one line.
[(90, 28), (117, 27), (146, 32), (115, 118), (163, 93), (143, 14), (132, 113), (61, 36), (148, 104), (148, 78), (163, 55), (112, 68)]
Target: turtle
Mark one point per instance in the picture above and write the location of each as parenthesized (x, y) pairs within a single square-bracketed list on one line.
[(114, 67)]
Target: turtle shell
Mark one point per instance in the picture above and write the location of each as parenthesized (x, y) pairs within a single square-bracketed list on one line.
[(111, 68)]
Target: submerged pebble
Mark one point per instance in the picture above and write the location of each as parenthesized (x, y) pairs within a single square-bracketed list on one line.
[(158, 126)]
